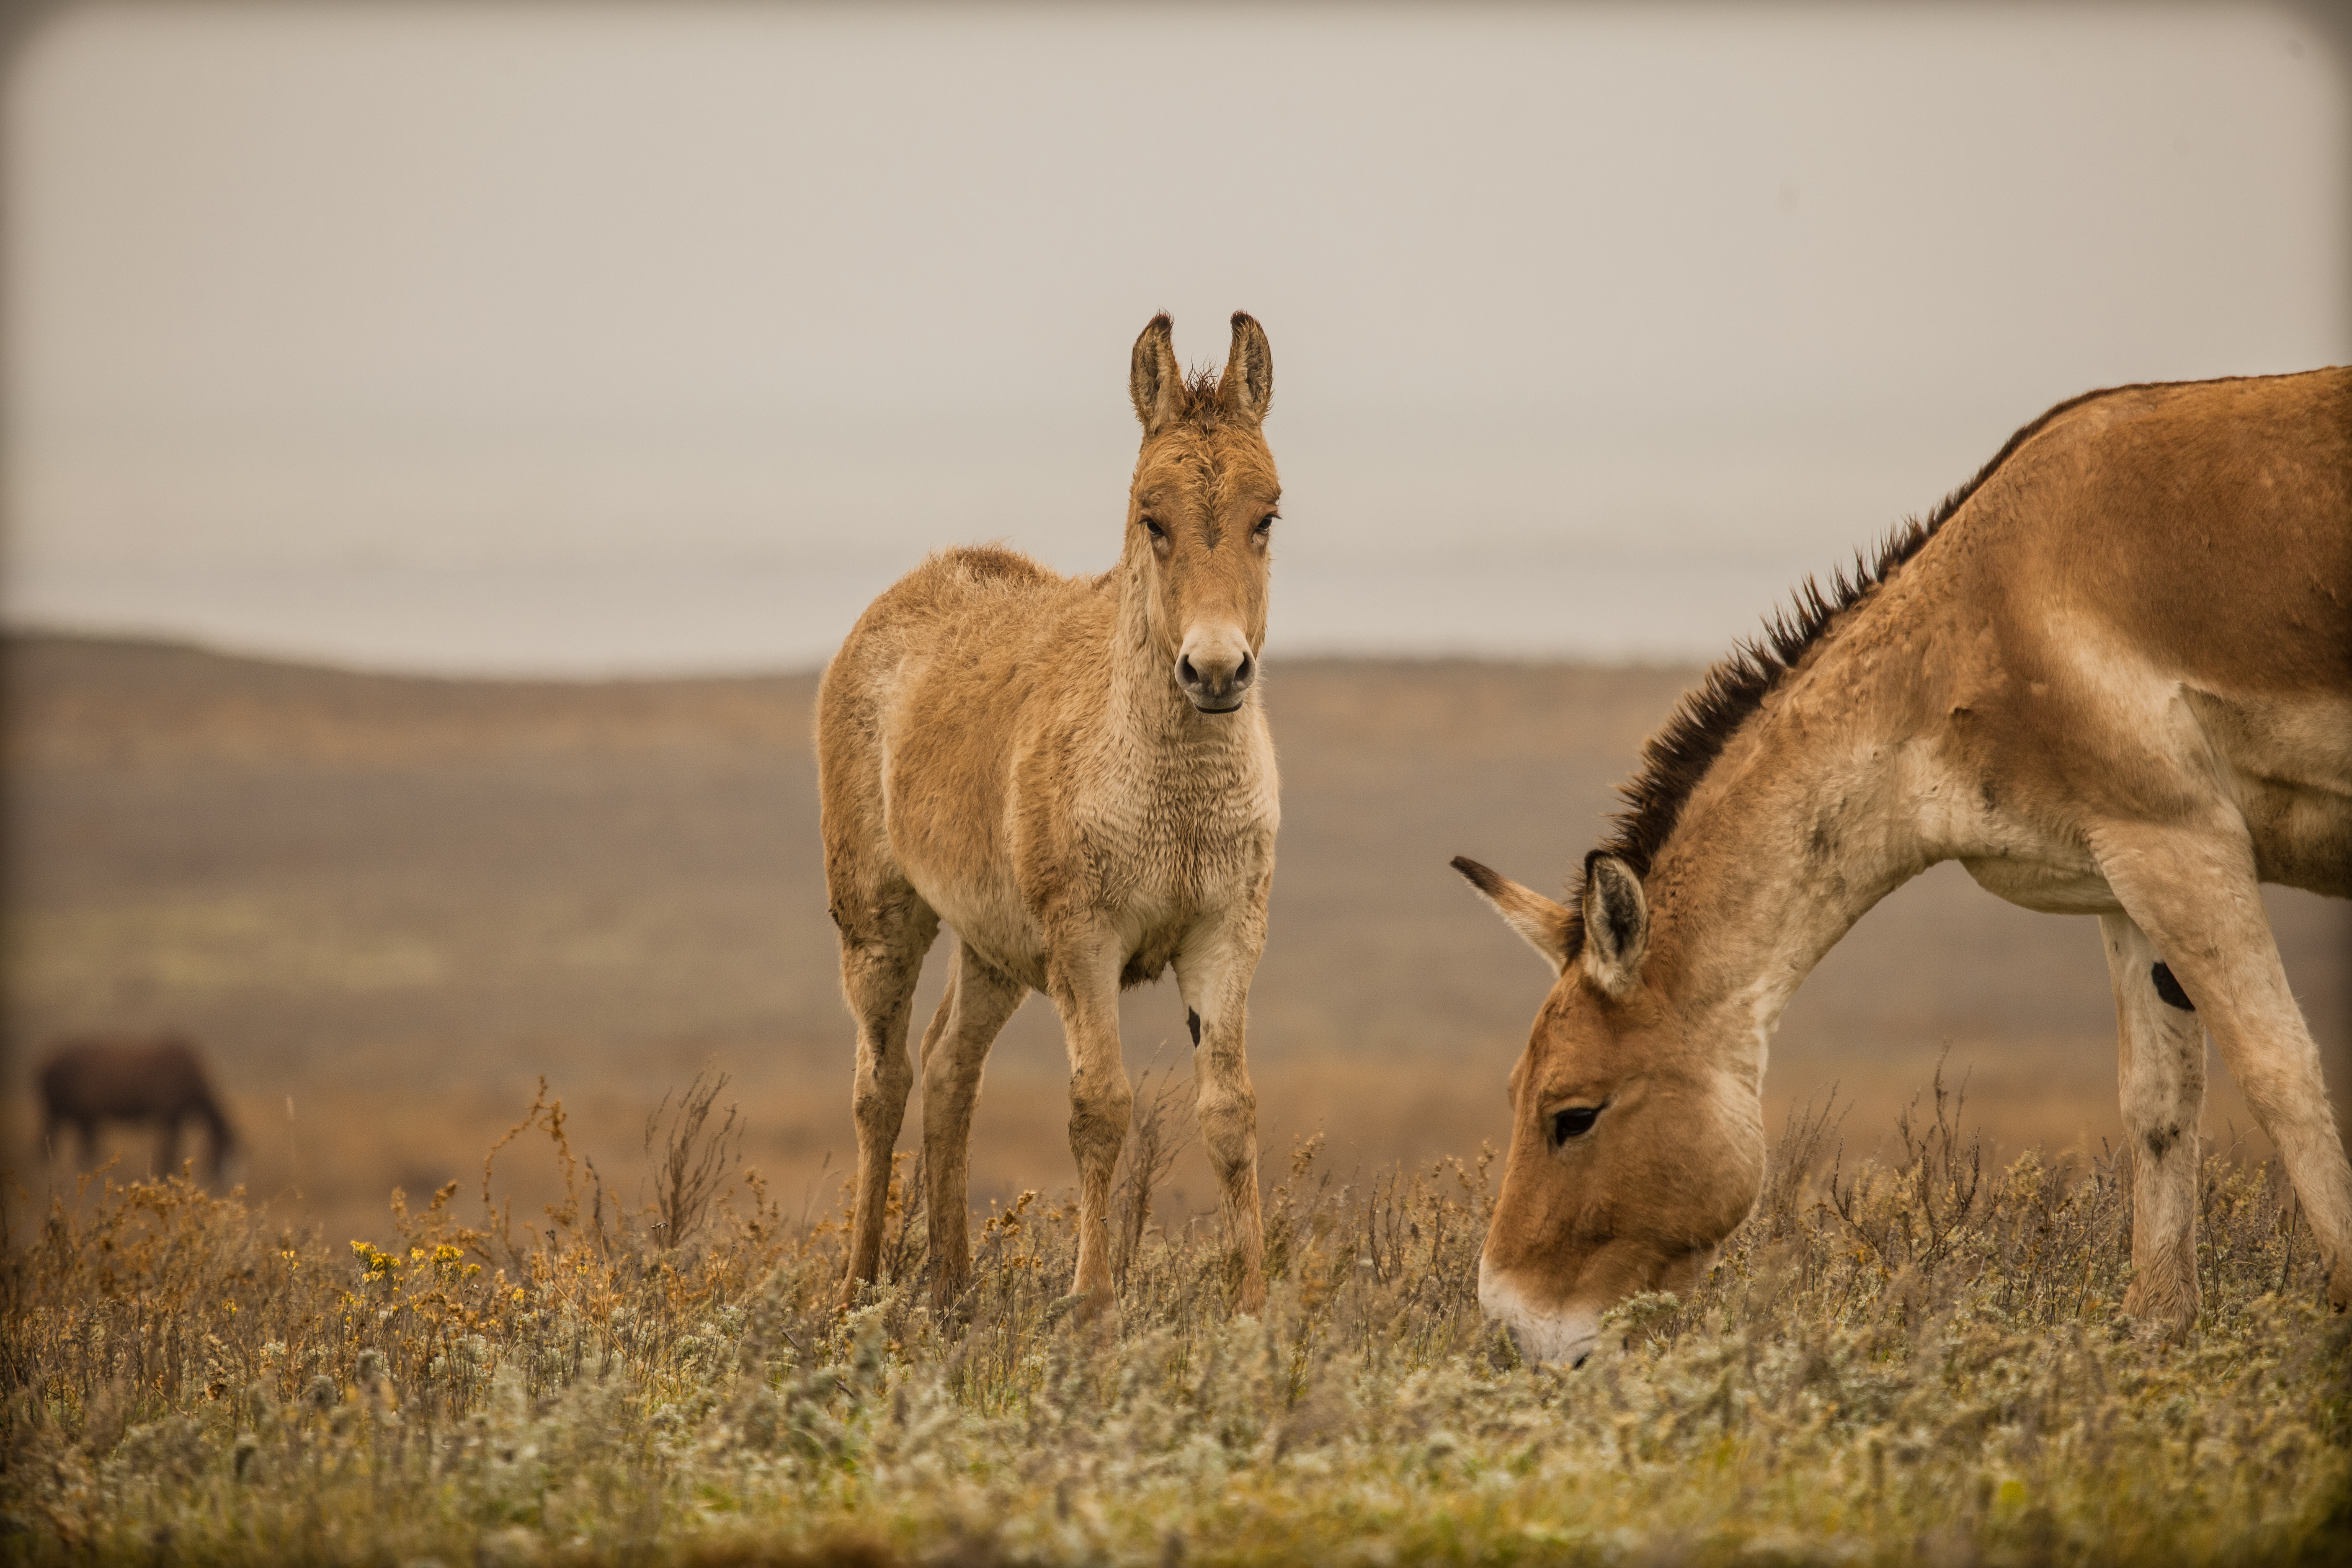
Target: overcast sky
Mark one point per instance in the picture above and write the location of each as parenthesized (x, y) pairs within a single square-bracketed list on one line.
[(634, 338)]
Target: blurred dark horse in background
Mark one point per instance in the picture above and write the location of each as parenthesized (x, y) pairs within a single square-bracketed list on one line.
[(156, 1079)]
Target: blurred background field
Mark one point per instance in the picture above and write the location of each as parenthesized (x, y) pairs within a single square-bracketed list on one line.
[(385, 905)]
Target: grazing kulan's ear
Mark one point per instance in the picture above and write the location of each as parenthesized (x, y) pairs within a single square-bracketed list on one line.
[(1543, 923), (1246, 391), (1153, 380), (1616, 923)]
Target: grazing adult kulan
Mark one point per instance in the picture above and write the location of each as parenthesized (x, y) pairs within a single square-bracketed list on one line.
[(152, 1079), (2111, 676), (1076, 775)]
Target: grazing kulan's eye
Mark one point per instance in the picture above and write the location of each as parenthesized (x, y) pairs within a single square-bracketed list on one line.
[(1574, 1123)]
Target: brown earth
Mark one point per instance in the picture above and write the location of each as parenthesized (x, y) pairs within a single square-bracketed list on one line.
[(387, 904)]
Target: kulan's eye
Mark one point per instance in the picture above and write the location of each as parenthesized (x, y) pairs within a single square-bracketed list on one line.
[(1265, 524), (1574, 1123), (1152, 523)]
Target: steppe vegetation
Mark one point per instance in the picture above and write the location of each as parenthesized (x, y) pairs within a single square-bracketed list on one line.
[(1917, 1356)]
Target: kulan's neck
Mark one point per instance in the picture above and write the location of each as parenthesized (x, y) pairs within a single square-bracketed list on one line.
[(1801, 827)]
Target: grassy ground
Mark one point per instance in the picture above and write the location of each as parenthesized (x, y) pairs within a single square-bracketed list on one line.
[(1919, 1358)]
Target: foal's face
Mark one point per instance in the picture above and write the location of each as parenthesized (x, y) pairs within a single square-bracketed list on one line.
[(1201, 515), (1201, 525)]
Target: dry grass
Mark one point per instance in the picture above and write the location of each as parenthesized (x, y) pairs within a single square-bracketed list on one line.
[(1921, 1358)]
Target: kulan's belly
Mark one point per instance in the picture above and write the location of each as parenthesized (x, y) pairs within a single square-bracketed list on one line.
[(1158, 861), (1145, 932), (989, 917), (2301, 837), (1144, 927), (2288, 769)]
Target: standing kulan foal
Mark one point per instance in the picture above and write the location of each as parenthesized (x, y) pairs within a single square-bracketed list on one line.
[(2112, 675), (1076, 774)]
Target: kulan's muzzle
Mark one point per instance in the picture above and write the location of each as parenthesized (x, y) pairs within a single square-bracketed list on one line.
[(1561, 1336), (1217, 668)]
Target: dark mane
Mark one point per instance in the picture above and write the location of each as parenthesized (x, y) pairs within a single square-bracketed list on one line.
[(1679, 755), (1202, 408)]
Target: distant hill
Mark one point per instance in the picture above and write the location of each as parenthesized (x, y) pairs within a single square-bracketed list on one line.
[(397, 899)]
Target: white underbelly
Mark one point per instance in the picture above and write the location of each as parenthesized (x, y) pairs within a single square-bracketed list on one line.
[(2289, 770), (989, 917)]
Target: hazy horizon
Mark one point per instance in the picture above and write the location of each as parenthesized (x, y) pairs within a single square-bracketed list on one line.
[(610, 339)]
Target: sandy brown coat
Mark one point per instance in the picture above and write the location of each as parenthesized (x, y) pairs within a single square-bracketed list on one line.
[(2111, 677), (1076, 774)]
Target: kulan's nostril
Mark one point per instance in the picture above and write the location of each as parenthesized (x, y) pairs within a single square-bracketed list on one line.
[(1185, 672), (1248, 667)]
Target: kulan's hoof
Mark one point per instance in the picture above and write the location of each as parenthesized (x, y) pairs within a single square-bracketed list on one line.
[(1097, 1312), (951, 1300), (2165, 1314)]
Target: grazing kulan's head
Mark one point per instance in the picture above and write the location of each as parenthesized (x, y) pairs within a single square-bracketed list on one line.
[(1634, 1151), (1201, 514)]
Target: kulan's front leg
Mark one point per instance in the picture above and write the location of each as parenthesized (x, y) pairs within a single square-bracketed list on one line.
[(2194, 892), (1084, 989), (1214, 971), (2161, 1050)]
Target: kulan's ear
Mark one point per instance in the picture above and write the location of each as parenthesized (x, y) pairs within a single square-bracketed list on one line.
[(1246, 392), (1153, 380), (1543, 923), (1616, 923)]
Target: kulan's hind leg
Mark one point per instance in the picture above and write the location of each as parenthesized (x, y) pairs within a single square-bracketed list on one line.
[(884, 932), (978, 1000), (2160, 1049)]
